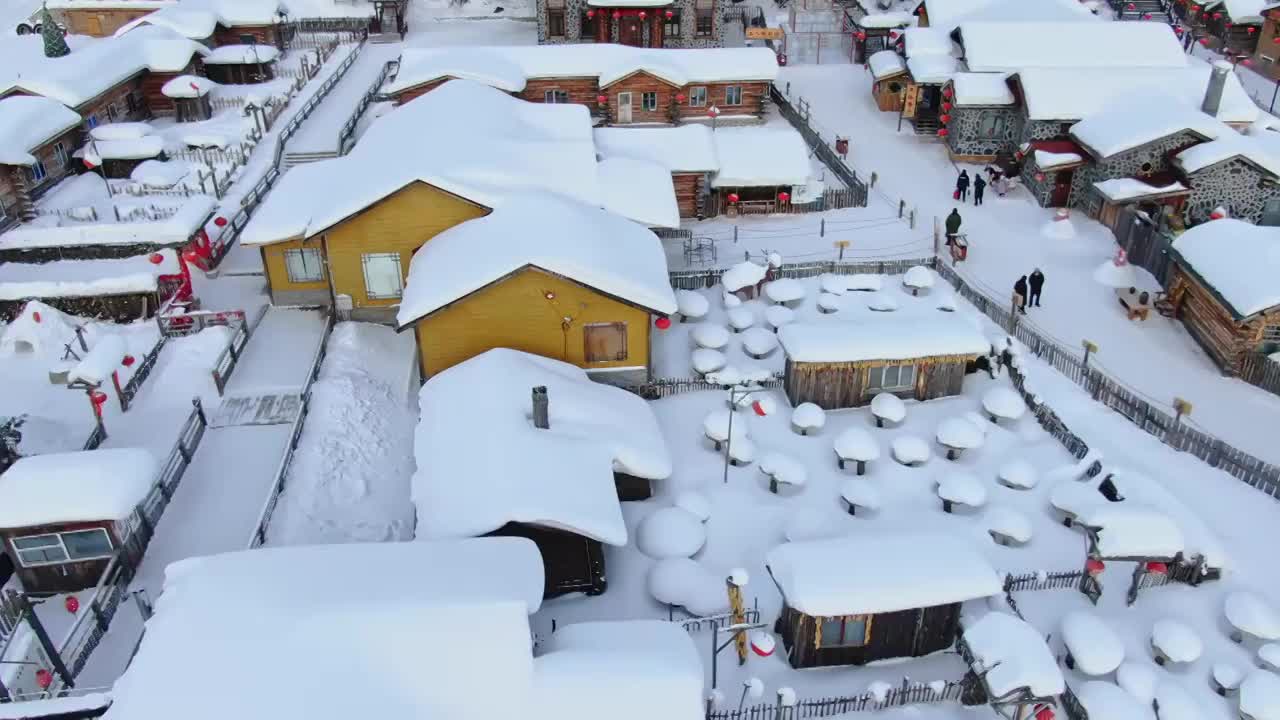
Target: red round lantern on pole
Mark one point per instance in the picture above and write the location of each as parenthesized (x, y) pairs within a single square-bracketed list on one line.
[(72, 604), (1157, 568), (861, 36), (617, 14), (946, 92), (97, 397), (945, 118), (44, 678), (642, 14), (942, 132), (1204, 42), (1094, 566), (733, 197), (155, 258), (784, 196), (679, 97), (1217, 16), (1131, 6), (670, 14), (946, 107), (591, 14), (662, 323), (602, 99), (220, 221)]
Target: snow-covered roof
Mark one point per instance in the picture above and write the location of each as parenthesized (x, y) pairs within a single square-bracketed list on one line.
[(1013, 655), (885, 573), (482, 463), (1141, 118), (927, 41), (94, 65), (760, 157), (1076, 93), (1125, 530), (56, 706), (932, 68), (639, 189), (1238, 260), (188, 86), (27, 122), (948, 14), (687, 148), (190, 22), (86, 486), (85, 278), (508, 67), (1227, 146), (639, 669), (886, 63), (465, 138), (1046, 160), (1106, 701), (177, 229), (1242, 11), (982, 89), (414, 625), (241, 55), (1122, 189), (1096, 648), (1009, 47), (890, 339), (587, 245), (893, 19)]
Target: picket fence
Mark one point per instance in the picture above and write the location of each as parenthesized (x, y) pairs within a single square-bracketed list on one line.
[(906, 694)]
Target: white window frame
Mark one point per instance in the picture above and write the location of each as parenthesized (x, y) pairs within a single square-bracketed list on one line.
[(555, 96), (733, 95), (305, 254), (369, 292), (62, 547), (698, 96), (645, 105), (38, 171), (875, 377), (60, 152), (91, 121), (845, 621)]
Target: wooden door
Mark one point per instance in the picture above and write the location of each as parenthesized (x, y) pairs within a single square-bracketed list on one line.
[(624, 107), (1061, 188), (93, 26), (630, 31)]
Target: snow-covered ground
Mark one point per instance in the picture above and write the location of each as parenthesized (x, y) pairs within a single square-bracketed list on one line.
[(320, 131)]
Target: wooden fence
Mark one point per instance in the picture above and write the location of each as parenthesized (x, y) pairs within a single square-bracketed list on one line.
[(902, 696), (826, 153), (131, 388), (1261, 370), (659, 388), (697, 279)]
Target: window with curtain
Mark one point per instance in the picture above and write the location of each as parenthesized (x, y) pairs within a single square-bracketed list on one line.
[(605, 342), (733, 95), (672, 26), (704, 10), (846, 631), (649, 101), (555, 18), (304, 265), (382, 277), (555, 96), (992, 125), (891, 377), (697, 96)]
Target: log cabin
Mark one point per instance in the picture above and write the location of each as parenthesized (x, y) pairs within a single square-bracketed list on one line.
[(514, 444), (115, 290), (64, 515), (635, 23), (37, 138), (863, 598), (687, 152), (620, 85), (845, 365), (1266, 55), (930, 64), (889, 74), (1231, 26), (1014, 664), (189, 97), (241, 64), (1048, 167), (533, 276), (107, 238), (1224, 291), (450, 156), (102, 18)]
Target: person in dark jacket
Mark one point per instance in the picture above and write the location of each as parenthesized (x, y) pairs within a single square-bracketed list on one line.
[(962, 185), (953, 226), (1036, 283), (978, 186), (1020, 295)]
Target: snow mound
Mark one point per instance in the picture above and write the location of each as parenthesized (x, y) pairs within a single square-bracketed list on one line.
[(1003, 403), (1260, 696), (686, 583), (785, 290), (1058, 229), (710, 335), (733, 375), (1226, 675), (947, 303), (861, 493), (962, 488), (691, 305), (1139, 680), (783, 469), (857, 444), (759, 342), (808, 416), (730, 300), (716, 426), (1017, 474), (1251, 614), (742, 450), (694, 503), (1095, 647), (1012, 654), (808, 524), (827, 302), (671, 532), (742, 275), (706, 360), (918, 278), (1176, 703), (1006, 521), (978, 421), (1176, 640), (779, 315), (1269, 656), (39, 329), (841, 284), (910, 450), (882, 302), (1104, 701), (959, 434), (758, 403), (741, 318), (1111, 275), (889, 407)]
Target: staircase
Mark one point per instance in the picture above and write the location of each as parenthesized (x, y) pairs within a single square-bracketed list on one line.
[(926, 125), (1149, 10)]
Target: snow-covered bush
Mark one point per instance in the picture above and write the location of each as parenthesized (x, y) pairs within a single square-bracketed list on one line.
[(828, 303), (1017, 474), (918, 278), (882, 302), (734, 376), (808, 524), (859, 493), (710, 335), (961, 489), (706, 361), (785, 291), (1269, 656), (958, 435), (808, 417), (671, 532), (1002, 403), (681, 582), (947, 303), (758, 342), (841, 284), (731, 301), (716, 427), (740, 318), (888, 408), (1093, 647), (786, 697), (743, 275), (691, 305), (1175, 641), (783, 470), (1008, 526), (857, 445), (694, 503), (1251, 616), (779, 315), (910, 450), (1138, 679)]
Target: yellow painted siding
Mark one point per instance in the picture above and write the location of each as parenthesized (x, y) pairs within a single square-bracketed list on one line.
[(515, 313), (278, 277), (402, 222)]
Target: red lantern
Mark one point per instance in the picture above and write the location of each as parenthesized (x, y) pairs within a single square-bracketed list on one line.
[(1018, 155), (733, 197), (1227, 25), (679, 97), (1157, 568), (591, 14), (1251, 30), (1131, 6), (72, 604), (783, 197), (662, 323), (944, 118), (220, 221), (861, 36), (1044, 712), (643, 14), (88, 164), (602, 99), (1217, 16), (1247, 61), (128, 361), (946, 92), (1177, 31), (44, 678), (758, 408), (763, 644), (670, 14), (1204, 42), (97, 397), (36, 316), (156, 258), (942, 132), (617, 14), (1146, 16), (1039, 177), (1094, 566), (946, 107), (191, 256)]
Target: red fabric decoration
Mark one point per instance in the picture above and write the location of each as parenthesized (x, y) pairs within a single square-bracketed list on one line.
[(617, 14), (944, 118), (942, 132), (72, 604), (758, 409), (128, 361), (156, 258), (88, 165), (44, 678), (97, 397), (1094, 566), (733, 197), (670, 14), (1158, 568), (784, 197), (662, 323), (679, 97), (602, 99), (220, 221)]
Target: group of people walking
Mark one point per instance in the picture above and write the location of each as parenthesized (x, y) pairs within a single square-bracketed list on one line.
[(1027, 291), (996, 180)]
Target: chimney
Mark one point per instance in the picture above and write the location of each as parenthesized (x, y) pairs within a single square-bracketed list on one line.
[(540, 419), (1217, 83)]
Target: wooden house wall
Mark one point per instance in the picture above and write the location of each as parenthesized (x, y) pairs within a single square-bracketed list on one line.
[(35, 255), (905, 633), (754, 96), (570, 562), (262, 34), (1268, 51), (833, 386), (97, 22), (116, 105), (64, 577), (581, 90), (54, 170), (152, 82), (514, 312), (637, 84), (890, 92), (1225, 339), (9, 197), (418, 91), (122, 308), (688, 187)]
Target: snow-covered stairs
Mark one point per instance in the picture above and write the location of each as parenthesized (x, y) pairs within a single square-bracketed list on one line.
[(1150, 10), (278, 409)]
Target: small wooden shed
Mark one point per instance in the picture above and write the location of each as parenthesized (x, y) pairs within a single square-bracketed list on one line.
[(890, 79), (64, 515), (862, 598), (844, 365), (241, 64)]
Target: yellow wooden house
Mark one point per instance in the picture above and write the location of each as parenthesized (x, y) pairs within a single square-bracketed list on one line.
[(546, 275)]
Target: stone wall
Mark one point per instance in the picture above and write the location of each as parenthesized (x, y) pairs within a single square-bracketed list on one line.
[(1234, 184), (575, 10), (968, 131), (1040, 190), (1043, 129), (1138, 162)]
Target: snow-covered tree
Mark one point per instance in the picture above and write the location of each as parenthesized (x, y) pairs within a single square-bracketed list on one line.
[(1008, 526), (961, 489), (710, 335), (671, 532), (740, 318), (910, 450), (859, 493), (1002, 403), (758, 342), (691, 305)]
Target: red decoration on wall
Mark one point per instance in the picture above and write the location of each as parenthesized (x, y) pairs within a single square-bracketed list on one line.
[(44, 678), (1131, 6), (946, 107), (670, 14), (591, 14), (72, 604), (1251, 29), (1204, 42), (679, 97), (1146, 16), (662, 323), (1276, 39), (220, 221), (946, 92), (1217, 16), (944, 118), (784, 197), (861, 36), (128, 361), (617, 14), (733, 197), (36, 316), (1094, 566), (942, 132), (642, 14), (1247, 61)]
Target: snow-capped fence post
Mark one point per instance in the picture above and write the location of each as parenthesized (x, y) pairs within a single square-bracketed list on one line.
[(541, 420)]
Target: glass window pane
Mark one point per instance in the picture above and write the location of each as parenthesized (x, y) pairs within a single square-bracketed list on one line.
[(908, 376), (855, 631), (87, 543), (382, 276), (890, 376), (35, 541), (39, 549), (303, 265), (831, 632)]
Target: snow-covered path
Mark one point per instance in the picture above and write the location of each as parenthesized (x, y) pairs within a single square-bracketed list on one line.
[(279, 355), (319, 133)]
